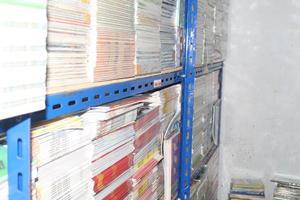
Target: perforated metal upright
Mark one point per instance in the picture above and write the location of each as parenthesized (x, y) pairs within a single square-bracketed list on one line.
[(187, 106)]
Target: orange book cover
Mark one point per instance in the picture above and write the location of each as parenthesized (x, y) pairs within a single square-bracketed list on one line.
[(110, 174)]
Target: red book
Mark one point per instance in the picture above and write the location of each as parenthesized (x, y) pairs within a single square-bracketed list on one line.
[(110, 174), (147, 117), (120, 192), (147, 136)]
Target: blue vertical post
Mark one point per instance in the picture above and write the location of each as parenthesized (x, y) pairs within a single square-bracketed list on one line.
[(187, 105), (19, 165)]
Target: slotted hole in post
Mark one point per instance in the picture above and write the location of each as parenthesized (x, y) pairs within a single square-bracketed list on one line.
[(146, 85), (162, 80), (167, 79), (20, 181), (72, 103), (19, 148), (97, 96), (56, 106), (117, 91), (132, 88), (125, 90), (85, 99), (171, 78), (107, 94), (151, 83), (140, 86)]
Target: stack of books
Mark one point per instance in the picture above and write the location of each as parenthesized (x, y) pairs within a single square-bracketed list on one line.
[(23, 27), (68, 42), (205, 101), (3, 171), (247, 189), (147, 175), (112, 129), (168, 31), (171, 162), (286, 188), (168, 100), (212, 22), (147, 28), (58, 143), (115, 40)]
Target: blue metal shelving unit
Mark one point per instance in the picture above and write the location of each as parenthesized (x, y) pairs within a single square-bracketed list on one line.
[(187, 105), (57, 105)]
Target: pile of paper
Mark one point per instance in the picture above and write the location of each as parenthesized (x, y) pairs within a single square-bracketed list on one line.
[(115, 40), (68, 42), (212, 28), (147, 176), (205, 184), (3, 172), (147, 27), (61, 159), (168, 31), (206, 102), (171, 165), (23, 27), (168, 100), (286, 188), (247, 189), (113, 134)]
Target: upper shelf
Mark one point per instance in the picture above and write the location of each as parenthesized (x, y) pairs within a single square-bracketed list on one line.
[(67, 100)]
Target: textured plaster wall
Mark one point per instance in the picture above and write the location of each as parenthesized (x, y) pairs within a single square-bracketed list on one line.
[(261, 108)]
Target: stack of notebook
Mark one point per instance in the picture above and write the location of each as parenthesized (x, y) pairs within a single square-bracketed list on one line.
[(171, 165), (3, 171), (147, 27), (168, 100), (206, 102), (147, 174), (58, 143), (115, 40), (211, 31), (286, 188), (23, 27), (68, 38), (247, 189), (112, 129), (168, 35)]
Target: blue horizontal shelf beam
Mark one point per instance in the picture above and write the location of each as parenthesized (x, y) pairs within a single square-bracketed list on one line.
[(67, 103), (200, 71), (61, 104)]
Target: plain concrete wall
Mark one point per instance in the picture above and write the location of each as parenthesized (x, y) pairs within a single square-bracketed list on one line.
[(261, 108)]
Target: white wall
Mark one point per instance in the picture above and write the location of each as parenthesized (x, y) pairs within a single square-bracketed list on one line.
[(261, 108)]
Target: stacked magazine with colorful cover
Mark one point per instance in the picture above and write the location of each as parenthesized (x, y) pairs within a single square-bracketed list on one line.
[(168, 31), (147, 177), (287, 187), (58, 143), (112, 129), (205, 116), (3, 171), (115, 40), (23, 27), (247, 189), (168, 100), (147, 30), (68, 42), (212, 22)]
